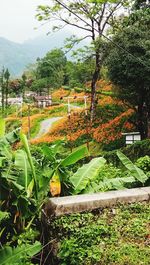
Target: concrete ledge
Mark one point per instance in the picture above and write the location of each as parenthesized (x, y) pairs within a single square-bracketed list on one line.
[(88, 202)]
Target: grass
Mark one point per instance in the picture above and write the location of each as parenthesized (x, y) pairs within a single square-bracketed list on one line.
[(119, 236)]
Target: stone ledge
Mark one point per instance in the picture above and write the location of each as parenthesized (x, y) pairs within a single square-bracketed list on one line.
[(88, 202)]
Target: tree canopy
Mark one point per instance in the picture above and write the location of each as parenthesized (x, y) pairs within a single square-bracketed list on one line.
[(91, 17), (130, 70)]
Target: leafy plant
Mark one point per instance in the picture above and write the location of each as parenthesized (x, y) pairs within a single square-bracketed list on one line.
[(144, 163), (30, 160), (136, 172), (18, 255), (109, 236), (86, 173)]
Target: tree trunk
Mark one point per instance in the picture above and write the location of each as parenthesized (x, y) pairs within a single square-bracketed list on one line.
[(142, 121), (6, 94), (93, 84), (3, 99), (148, 121)]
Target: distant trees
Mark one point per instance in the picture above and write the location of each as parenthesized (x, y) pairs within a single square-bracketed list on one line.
[(50, 71), (4, 84)]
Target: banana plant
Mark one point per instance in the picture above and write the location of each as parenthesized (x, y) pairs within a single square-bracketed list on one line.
[(33, 181), (2, 127), (59, 176), (19, 255), (86, 174), (135, 172)]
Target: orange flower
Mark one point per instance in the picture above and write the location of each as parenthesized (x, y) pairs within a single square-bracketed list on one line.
[(111, 131)]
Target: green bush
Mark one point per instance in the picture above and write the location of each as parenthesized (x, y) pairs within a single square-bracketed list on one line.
[(133, 152), (102, 237), (144, 164)]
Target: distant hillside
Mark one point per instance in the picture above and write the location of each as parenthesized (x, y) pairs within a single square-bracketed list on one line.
[(16, 57)]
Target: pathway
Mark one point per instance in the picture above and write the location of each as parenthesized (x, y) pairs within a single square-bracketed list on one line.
[(46, 125)]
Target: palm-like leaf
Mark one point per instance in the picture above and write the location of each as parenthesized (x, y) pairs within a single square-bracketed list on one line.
[(2, 127), (75, 156), (12, 256), (136, 172), (30, 160), (86, 173), (21, 162)]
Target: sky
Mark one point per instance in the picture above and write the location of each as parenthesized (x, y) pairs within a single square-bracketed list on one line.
[(17, 19)]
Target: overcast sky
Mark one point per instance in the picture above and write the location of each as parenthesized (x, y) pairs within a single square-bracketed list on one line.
[(17, 19)]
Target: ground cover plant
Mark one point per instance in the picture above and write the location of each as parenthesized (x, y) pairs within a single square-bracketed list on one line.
[(110, 236)]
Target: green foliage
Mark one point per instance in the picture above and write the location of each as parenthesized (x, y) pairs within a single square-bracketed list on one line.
[(86, 173), (3, 216), (144, 164), (136, 172), (2, 127), (129, 67), (19, 255), (133, 152), (51, 70), (30, 160), (109, 236), (75, 156)]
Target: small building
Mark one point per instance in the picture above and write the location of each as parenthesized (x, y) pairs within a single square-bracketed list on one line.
[(30, 94), (42, 101), (15, 101), (132, 137)]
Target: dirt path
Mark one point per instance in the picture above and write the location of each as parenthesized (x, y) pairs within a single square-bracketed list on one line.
[(46, 125)]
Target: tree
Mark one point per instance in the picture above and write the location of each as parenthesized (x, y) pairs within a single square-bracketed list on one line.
[(91, 17), (140, 4), (39, 85), (52, 67), (6, 76), (2, 90), (23, 83), (79, 72), (129, 66)]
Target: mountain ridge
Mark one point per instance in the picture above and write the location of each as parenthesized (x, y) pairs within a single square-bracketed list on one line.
[(16, 56)]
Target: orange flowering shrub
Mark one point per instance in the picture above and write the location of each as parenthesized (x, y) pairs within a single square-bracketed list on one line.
[(112, 130), (71, 129), (46, 139), (60, 93), (104, 85), (108, 100)]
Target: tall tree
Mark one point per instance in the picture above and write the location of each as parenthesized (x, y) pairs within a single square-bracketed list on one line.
[(6, 76), (92, 17), (52, 67), (2, 84), (131, 71), (23, 82)]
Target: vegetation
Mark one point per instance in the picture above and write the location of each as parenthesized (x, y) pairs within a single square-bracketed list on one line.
[(81, 149), (95, 16), (133, 84), (109, 236)]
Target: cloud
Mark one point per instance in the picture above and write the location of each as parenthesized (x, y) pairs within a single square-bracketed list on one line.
[(17, 19)]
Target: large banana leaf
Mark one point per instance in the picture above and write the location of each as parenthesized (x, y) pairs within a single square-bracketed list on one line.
[(86, 173), (136, 172), (13, 256), (22, 163), (115, 183), (30, 160), (109, 184), (2, 127), (75, 156)]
